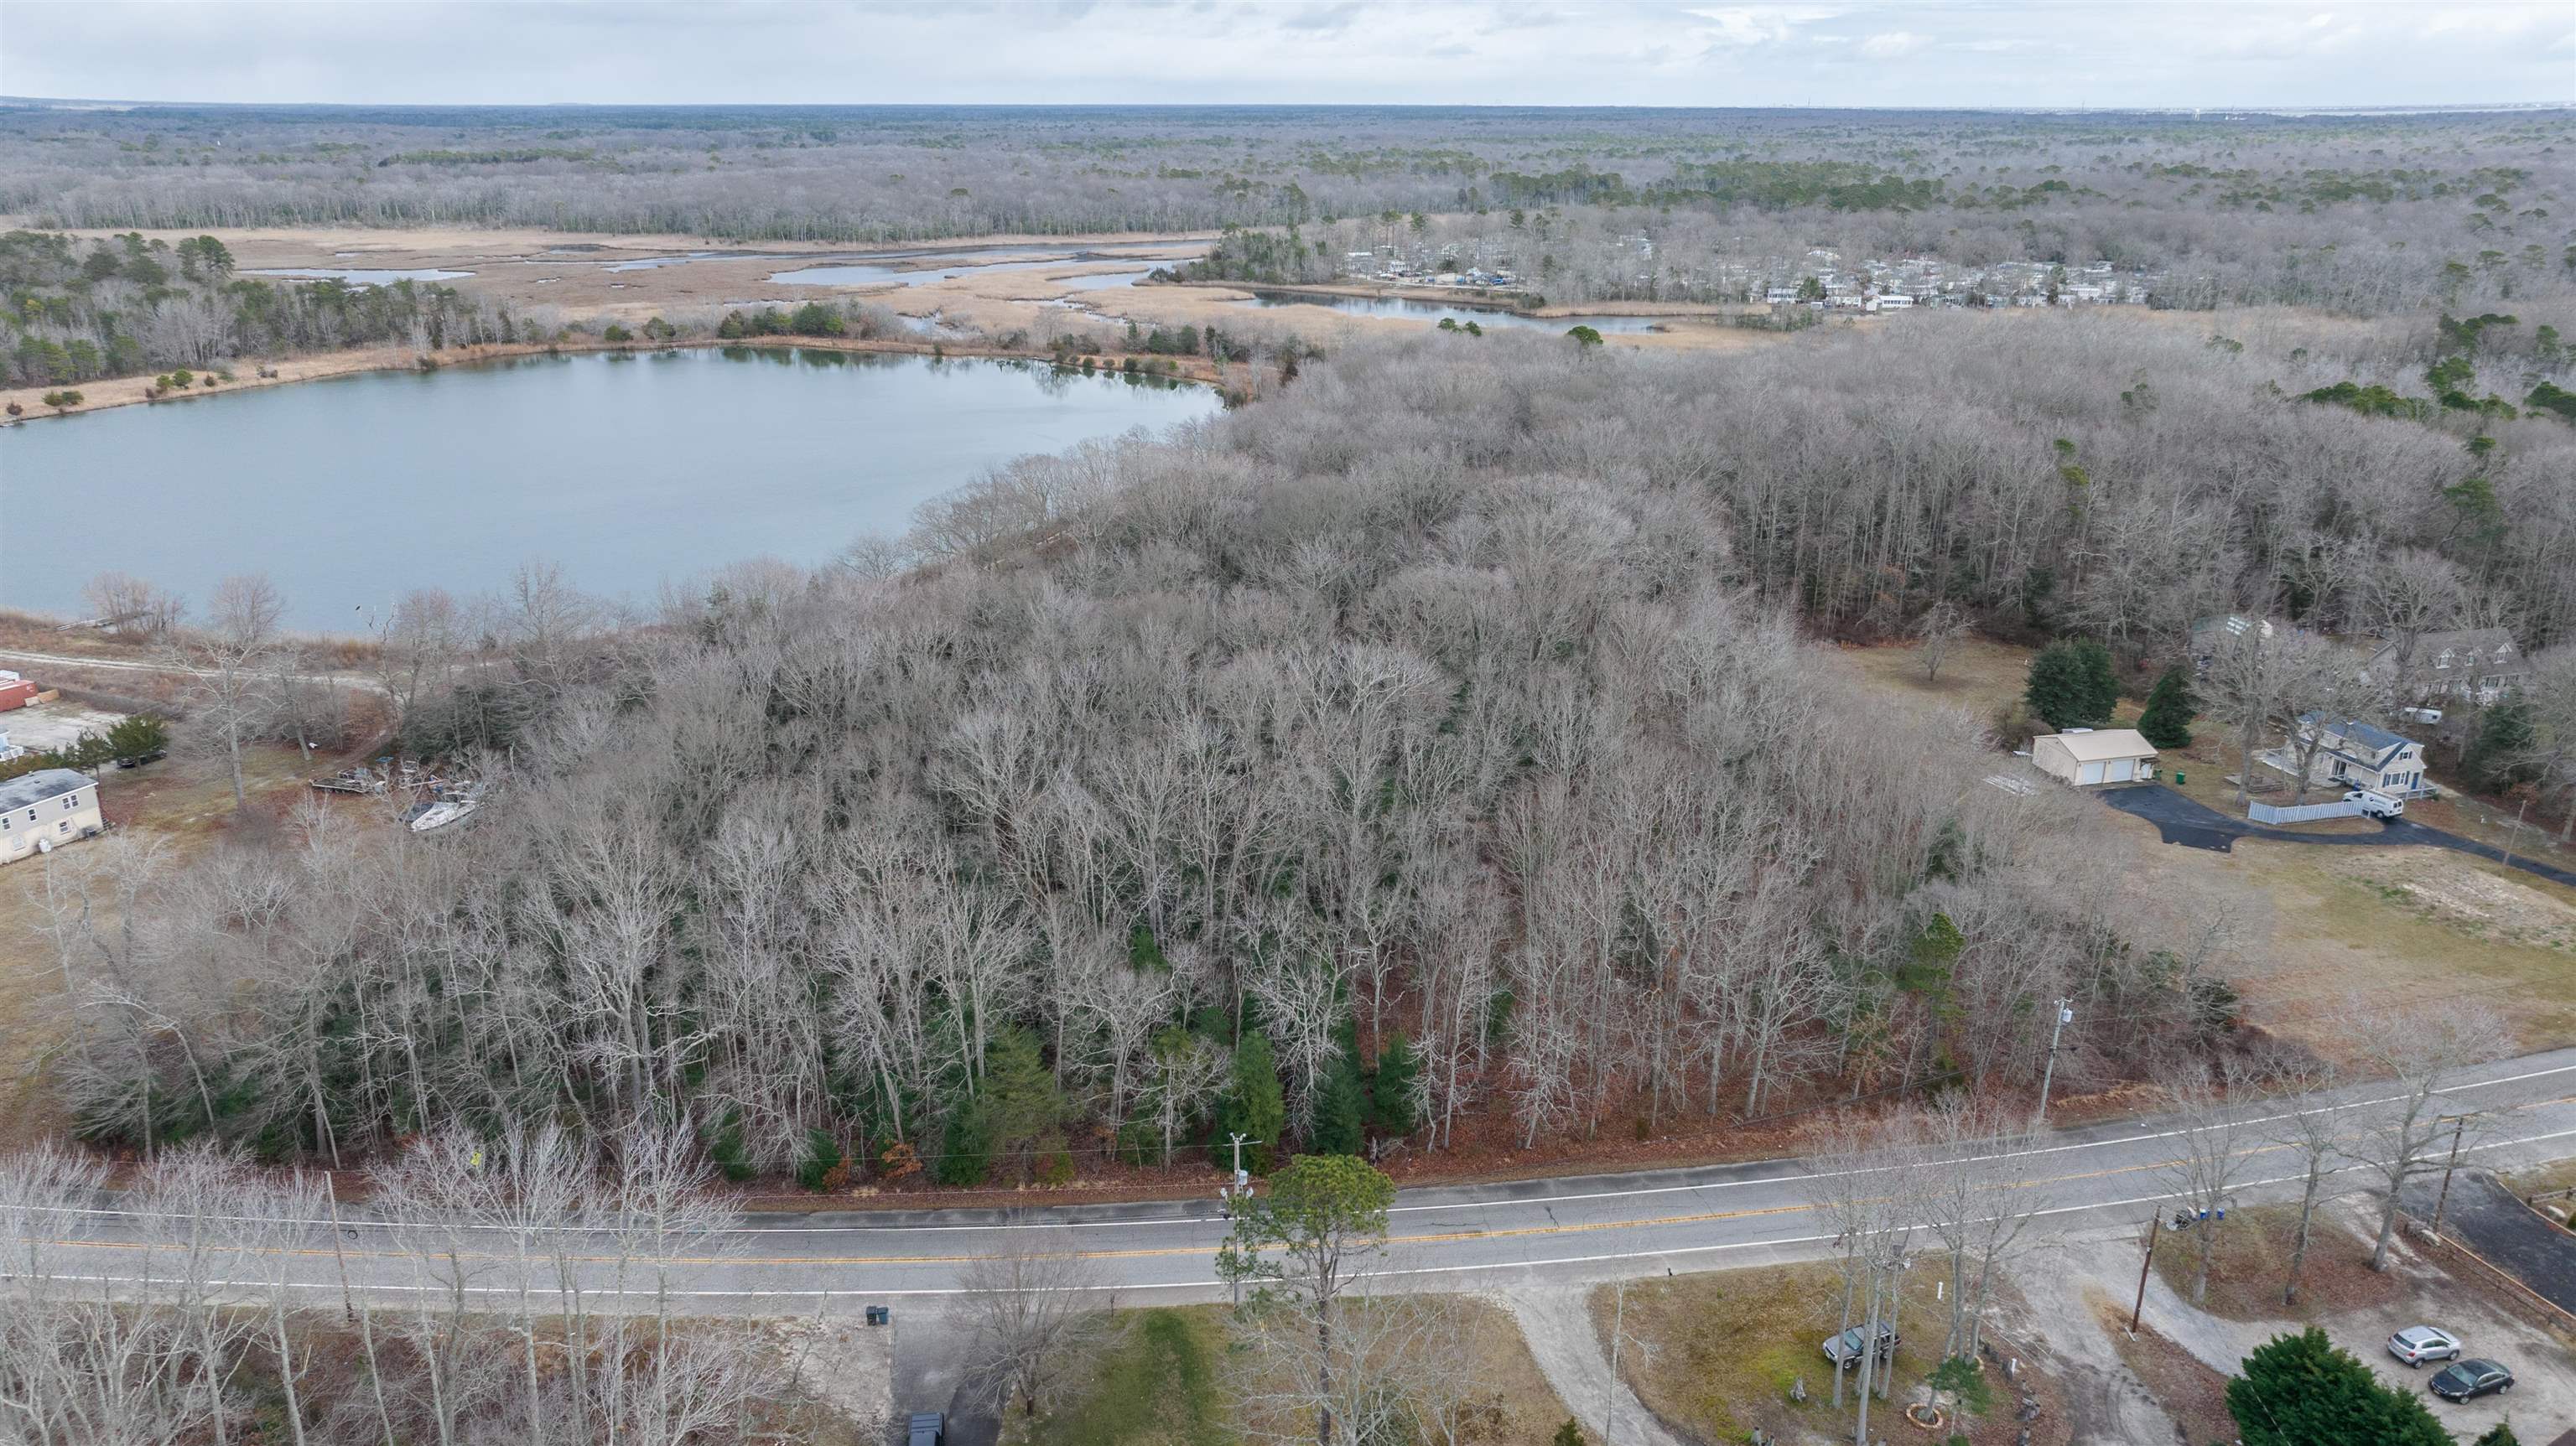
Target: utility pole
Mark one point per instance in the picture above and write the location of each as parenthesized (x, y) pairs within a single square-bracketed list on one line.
[(331, 1192), (1239, 1189), (2458, 1124), (2065, 1017), (2155, 1226), (2516, 836), (1610, 1393)]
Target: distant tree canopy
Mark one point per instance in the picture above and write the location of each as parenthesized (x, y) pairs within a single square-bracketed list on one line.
[(82, 310)]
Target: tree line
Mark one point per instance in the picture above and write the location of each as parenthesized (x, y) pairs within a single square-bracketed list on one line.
[(1419, 755), (81, 310)]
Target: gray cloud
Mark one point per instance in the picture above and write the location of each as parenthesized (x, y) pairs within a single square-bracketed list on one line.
[(1633, 52)]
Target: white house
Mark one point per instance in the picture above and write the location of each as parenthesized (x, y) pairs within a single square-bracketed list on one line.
[(2087, 757), (47, 807), (2479, 664), (2354, 754)]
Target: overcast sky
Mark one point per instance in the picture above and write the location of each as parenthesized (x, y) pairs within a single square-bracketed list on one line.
[(1626, 52)]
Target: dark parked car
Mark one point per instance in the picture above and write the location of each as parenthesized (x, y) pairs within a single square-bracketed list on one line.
[(928, 1428), (1844, 1349), (2468, 1380)]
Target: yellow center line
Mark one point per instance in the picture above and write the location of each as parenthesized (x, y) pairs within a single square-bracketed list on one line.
[(1446, 1237)]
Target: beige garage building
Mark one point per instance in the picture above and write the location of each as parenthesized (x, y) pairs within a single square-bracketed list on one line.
[(2089, 756)]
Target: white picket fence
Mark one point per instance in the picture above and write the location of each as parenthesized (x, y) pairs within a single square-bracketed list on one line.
[(2303, 813)]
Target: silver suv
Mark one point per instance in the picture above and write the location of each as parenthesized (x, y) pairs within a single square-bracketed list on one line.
[(1843, 1349), (2417, 1344)]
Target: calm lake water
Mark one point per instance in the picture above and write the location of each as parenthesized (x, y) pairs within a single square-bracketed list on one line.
[(628, 470), (357, 276), (1434, 312)]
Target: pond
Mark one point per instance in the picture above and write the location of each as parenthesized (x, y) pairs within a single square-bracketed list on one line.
[(629, 470), (1435, 312), (357, 276)]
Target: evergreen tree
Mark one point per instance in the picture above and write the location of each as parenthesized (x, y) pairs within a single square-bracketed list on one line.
[(2298, 1390), (2500, 1434), (2071, 684), (1254, 1108), (1341, 1109), (1391, 1092), (2170, 709), (965, 1147), (2490, 765), (1019, 1101)]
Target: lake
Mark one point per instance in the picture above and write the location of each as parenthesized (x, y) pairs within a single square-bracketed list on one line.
[(1435, 312), (627, 469)]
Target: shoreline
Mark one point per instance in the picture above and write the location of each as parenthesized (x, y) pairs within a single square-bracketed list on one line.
[(1467, 298), (113, 392)]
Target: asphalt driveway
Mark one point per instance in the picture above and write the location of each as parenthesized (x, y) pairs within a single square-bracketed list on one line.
[(2505, 1232), (2186, 821)]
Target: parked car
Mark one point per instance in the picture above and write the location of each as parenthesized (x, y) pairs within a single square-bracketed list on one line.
[(2376, 805), (1844, 1349), (2468, 1380), (927, 1428), (2417, 1344)]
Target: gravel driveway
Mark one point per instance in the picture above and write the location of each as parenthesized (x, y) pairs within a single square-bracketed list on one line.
[(2180, 819)]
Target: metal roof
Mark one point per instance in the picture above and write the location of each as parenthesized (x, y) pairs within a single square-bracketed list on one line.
[(2106, 743), (2378, 740), (33, 788)]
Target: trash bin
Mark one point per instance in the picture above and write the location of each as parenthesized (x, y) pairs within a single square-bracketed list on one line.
[(2179, 780)]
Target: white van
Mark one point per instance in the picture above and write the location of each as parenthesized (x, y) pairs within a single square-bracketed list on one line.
[(2376, 805)]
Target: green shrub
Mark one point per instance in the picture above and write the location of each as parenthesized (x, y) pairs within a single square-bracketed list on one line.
[(822, 1156)]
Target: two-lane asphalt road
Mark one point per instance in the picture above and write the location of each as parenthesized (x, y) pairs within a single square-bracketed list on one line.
[(1450, 1238)]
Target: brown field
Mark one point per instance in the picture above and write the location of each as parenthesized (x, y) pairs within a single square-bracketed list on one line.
[(1159, 1378), (2315, 928), (1715, 1355)]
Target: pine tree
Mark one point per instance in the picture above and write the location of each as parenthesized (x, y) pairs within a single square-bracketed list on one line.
[(1391, 1092), (1341, 1109), (2071, 684), (2298, 1390), (2500, 1434), (2170, 709), (1254, 1108), (2491, 763)]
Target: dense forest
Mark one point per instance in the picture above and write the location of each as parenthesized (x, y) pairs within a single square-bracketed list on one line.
[(1429, 752), (2359, 213), (80, 310)]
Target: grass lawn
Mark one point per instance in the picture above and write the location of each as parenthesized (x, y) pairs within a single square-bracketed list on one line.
[(1980, 675), (2253, 1262), (1715, 1354), (1153, 1382), (1159, 1379), (2312, 928)]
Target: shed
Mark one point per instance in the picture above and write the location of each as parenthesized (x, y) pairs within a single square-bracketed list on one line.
[(2089, 756)]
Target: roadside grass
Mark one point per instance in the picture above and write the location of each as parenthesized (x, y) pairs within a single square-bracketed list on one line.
[(1152, 1381), (1715, 1354), (2252, 1263), (1158, 1377), (2560, 1175)]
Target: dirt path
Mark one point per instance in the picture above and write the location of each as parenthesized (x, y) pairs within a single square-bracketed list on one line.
[(2111, 1406), (1557, 1324)]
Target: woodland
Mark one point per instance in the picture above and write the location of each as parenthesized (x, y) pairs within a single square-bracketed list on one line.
[(1436, 750)]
